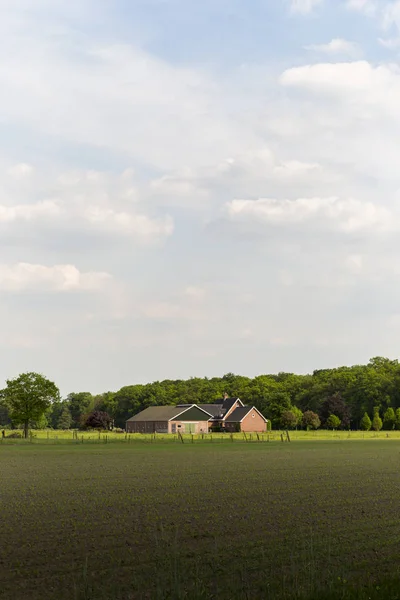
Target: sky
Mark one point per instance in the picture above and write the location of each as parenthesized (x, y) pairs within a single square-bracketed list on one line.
[(194, 188)]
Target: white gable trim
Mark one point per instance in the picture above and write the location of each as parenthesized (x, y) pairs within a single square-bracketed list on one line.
[(231, 410), (257, 411), (188, 408)]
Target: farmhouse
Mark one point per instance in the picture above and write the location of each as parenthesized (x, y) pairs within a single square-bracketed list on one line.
[(226, 414), (170, 419)]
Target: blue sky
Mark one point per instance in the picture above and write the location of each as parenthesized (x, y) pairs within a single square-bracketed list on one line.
[(189, 189)]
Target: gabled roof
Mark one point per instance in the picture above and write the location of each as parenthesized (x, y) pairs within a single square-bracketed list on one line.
[(164, 413), (228, 403), (218, 409), (213, 409), (240, 413), (157, 413)]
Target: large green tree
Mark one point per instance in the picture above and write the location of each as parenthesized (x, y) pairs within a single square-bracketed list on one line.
[(28, 397)]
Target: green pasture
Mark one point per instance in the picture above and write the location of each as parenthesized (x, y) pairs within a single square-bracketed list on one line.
[(82, 437), (174, 521)]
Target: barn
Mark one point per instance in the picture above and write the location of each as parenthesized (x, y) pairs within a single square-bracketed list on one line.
[(170, 419)]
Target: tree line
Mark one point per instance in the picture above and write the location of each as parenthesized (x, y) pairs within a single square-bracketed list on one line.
[(357, 397)]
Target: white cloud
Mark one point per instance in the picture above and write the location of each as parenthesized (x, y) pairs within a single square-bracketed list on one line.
[(21, 170), (60, 278), (195, 292), (390, 43), (391, 15), (106, 219), (46, 209), (304, 6), (91, 200), (352, 76), (344, 215), (368, 7), (336, 46)]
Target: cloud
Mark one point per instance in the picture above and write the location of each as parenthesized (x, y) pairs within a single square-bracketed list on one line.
[(391, 15), (386, 11), (304, 6), (89, 200), (46, 209), (195, 292), (336, 46), (141, 226), (367, 91), (58, 278), (348, 216), (368, 7), (390, 43), (21, 170)]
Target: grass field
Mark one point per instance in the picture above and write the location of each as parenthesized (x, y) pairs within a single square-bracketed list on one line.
[(193, 521), (79, 437)]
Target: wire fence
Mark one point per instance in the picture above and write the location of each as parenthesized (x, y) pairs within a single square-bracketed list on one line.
[(77, 437), (110, 437)]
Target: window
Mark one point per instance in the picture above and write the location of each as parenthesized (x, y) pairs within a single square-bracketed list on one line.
[(253, 415)]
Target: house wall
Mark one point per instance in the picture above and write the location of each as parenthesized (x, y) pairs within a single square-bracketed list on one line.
[(199, 426), (147, 427), (256, 423)]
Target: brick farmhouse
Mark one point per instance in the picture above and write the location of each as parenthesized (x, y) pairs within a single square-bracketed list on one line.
[(226, 414)]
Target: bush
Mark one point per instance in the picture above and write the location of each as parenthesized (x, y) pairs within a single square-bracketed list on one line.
[(376, 421), (98, 420), (389, 419), (311, 420), (14, 435), (333, 422), (397, 423), (365, 424), (288, 419)]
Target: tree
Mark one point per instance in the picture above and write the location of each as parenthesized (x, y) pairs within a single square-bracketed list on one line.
[(389, 419), (79, 403), (376, 421), (288, 419), (28, 397), (4, 414), (98, 420), (298, 414), (311, 420), (333, 422), (335, 405), (65, 419), (365, 424), (397, 423), (277, 403)]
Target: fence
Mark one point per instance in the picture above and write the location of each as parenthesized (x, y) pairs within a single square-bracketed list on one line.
[(77, 437), (93, 437)]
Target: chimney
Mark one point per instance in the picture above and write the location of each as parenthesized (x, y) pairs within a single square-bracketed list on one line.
[(225, 396)]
